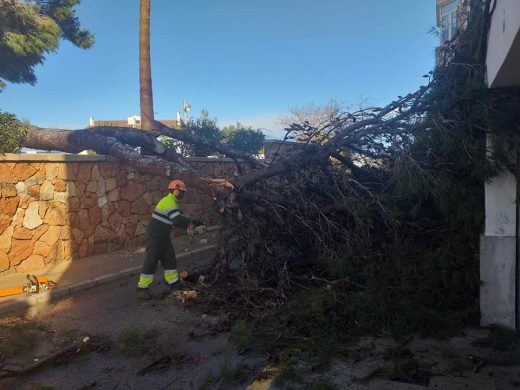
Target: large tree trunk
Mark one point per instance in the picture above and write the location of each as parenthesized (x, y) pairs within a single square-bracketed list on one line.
[(145, 72)]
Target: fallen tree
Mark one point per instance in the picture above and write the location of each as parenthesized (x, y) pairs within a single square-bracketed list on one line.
[(350, 138), (365, 220)]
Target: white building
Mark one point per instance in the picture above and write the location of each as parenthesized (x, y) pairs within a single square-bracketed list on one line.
[(500, 245)]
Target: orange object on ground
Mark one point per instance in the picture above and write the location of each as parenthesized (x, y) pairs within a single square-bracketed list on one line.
[(5, 292), (36, 284)]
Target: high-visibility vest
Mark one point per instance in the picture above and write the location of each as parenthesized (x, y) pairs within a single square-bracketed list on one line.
[(165, 216)]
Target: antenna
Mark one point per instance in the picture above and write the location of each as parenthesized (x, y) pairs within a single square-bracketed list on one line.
[(186, 107)]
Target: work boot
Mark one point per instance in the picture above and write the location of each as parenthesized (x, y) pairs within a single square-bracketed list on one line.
[(174, 287), (144, 294)]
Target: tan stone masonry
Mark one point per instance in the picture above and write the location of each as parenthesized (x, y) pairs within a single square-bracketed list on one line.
[(56, 207)]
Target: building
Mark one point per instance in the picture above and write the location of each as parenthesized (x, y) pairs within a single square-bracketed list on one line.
[(500, 244), (133, 121), (447, 19)]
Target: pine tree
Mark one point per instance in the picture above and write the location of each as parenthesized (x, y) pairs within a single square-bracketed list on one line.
[(30, 30)]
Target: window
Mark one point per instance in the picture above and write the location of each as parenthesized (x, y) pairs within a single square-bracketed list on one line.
[(449, 20)]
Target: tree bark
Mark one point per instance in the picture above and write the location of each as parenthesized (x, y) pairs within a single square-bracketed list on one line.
[(145, 71), (118, 142)]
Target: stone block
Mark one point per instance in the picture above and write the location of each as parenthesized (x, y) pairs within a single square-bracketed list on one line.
[(94, 215), (56, 217), (20, 250), (60, 185), (102, 201), (95, 173), (66, 233), (73, 204), (80, 189), (124, 208), (42, 249), (65, 250), (21, 188), (87, 200), (7, 190), (140, 228), (121, 179), (83, 249), (33, 191), (84, 220), (23, 171), (103, 234), (6, 173), (109, 170), (53, 254), (65, 172), (8, 209), (101, 188), (8, 206), (110, 184), (92, 186), (106, 212), (32, 217), (47, 191), (25, 200), (4, 262), (62, 197), (44, 205), (5, 239), (52, 235), (149, 198), (31, 264), (51, 172), (114, 195), (17, 219), (140, 207), (130, 229), (71, 189), (84, 173), (115, 220), (22, 233), (39, 231), (132, 191), (78, 235)]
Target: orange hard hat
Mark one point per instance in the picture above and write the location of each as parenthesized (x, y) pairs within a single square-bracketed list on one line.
[(177, 185)]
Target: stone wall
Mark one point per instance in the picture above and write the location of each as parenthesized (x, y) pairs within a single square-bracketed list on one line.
[(215, 167), (276, 148), (58, 207)]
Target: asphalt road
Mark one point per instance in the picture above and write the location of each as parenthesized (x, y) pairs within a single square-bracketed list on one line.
[(200, 352)]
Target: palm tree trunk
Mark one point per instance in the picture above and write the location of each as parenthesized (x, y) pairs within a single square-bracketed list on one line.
[(145, 72)]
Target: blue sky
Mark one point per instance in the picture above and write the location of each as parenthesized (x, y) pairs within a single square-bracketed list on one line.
[(246, 60)]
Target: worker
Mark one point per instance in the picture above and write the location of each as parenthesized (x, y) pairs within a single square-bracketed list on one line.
[(159, 246)]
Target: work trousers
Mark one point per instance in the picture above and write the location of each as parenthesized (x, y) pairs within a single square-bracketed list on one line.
[(159, 249)]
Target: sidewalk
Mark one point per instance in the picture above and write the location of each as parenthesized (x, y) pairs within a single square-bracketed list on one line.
[(81, 274)]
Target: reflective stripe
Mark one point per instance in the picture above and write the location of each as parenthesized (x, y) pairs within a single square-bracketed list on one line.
[(169, 210), (162, 212), (173, 215), (162, 219), (171, 275), (145, 280)]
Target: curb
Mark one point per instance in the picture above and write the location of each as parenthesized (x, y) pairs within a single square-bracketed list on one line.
[(29, 301)]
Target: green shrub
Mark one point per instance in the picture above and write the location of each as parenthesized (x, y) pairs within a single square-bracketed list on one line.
[(12, 133)]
